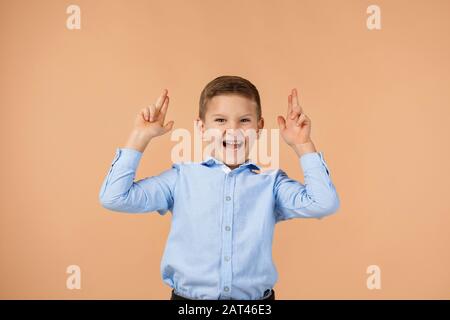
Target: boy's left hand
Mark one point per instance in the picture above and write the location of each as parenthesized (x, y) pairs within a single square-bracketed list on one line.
[(297, 128)]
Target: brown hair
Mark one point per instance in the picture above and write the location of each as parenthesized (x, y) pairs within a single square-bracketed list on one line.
[(228, 85)]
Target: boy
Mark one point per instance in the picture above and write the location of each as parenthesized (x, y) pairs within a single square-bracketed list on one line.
[(223, 211)]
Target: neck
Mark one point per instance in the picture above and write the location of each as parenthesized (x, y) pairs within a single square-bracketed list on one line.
[(232, 167)]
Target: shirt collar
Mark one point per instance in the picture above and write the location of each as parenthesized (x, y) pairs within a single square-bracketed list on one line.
[(210, 160)]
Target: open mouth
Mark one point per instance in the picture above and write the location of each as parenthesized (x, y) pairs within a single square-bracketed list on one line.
[(232, 144)]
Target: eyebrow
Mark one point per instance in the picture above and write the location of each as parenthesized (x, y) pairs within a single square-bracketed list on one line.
[(221, 115)]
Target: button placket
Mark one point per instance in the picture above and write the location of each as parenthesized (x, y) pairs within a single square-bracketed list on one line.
[(227, 235)]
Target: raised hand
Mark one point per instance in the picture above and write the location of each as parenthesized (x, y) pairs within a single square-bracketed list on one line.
[(149, 123), (296, 128), (151, 119)]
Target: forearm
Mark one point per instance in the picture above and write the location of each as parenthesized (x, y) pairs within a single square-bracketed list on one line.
[(137, 141), (119, 180), (301, 149)]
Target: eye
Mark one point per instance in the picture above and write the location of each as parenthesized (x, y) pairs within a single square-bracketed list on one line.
[(245, 120), (220, 120)]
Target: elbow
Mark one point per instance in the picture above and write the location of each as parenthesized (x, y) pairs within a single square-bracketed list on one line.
[(113, 204), (329, 207), (103, 198), (107, 203), (332, 208), (109, 200), (121, 203)]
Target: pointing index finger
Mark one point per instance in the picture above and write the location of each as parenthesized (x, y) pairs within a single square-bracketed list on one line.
[(162, 114), (289, 109), (296, 104), (161, 99), (295, 98)]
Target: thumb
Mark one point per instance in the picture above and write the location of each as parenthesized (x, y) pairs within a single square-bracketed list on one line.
[(281, 122), (168, 126)]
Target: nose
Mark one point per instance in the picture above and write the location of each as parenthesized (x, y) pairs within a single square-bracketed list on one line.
[(234, 130), (233, 125)]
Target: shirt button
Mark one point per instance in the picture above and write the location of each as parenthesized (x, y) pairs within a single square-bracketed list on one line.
[(227, 258), (227, 228), (228, 198), (226, 289)]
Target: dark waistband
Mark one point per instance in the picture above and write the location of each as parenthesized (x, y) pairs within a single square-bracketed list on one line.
[(175, 296)]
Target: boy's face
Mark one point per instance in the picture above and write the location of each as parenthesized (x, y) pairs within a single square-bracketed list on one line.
[(232, 125)]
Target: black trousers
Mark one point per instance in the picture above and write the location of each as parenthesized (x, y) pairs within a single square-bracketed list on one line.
[(177, 297)]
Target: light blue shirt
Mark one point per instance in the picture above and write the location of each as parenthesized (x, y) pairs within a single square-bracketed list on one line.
[(220, 241)]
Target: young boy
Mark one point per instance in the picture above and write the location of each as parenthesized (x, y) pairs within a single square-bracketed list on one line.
[(223, 211)]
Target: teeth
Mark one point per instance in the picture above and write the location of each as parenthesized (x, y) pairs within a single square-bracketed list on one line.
[(233, 142)]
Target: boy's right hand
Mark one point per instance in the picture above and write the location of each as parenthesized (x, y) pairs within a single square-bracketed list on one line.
[(149, 123)]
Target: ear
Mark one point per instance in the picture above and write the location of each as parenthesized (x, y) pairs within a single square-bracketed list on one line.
[(200, 125), (260, 124)]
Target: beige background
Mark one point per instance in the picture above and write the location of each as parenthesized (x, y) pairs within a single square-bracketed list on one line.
[(378, 100)]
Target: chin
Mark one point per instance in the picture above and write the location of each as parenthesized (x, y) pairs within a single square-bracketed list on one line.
[(234, 157), (234, 163)]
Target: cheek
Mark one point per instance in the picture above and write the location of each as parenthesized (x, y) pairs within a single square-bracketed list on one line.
[(250, 127), (251, 134), (212, 133), (211, 125)]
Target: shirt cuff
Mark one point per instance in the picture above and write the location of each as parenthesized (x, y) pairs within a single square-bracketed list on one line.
[(313, 160), (127, 157)]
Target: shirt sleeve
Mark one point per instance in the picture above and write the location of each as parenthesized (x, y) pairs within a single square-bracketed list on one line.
[(119, 191), (314, 199)]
